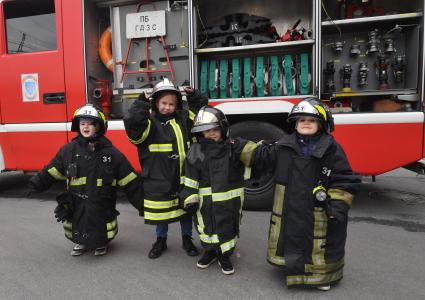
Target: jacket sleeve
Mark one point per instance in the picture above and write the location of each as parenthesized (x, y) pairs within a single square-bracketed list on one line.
[(261, 155), (137, 123), (189, 182), (54, 171), (343, 183), (195, 102), (130, 182)]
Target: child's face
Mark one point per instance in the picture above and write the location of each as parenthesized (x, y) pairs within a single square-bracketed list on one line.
[(212, 134), (167, 104), (307, 126), (87, 128)]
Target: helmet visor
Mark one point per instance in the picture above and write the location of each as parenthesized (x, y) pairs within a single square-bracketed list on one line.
[(204, 127)]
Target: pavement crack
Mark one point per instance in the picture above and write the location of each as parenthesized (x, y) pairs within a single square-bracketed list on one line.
[(406, 225)]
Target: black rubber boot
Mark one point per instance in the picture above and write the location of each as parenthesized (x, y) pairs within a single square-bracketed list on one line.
[(158, 247), (188, 246)]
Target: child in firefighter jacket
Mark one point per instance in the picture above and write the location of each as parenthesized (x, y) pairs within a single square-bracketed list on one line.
[(212, 188), (314, 190), (160, 129), (93, 170)]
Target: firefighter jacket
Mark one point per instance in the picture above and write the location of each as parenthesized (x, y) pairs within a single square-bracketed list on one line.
[(162, 143), (92, 177), (213, 177), (302, 237)]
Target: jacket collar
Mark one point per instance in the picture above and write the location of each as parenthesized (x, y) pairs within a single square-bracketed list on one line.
[(102, 142), (290, 140)]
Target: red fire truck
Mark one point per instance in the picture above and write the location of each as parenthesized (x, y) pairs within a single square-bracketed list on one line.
[(254, 59)]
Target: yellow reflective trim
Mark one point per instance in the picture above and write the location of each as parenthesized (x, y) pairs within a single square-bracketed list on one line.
[(199, 218), (99, 182), (127, 179), (186, 181), (247, 173), (205, 191), (191, 115), (275, 226), (319, 236), (180, 143), (56, 174), (160, 204), (337, 194), (111, 225), (325, 268), (111, 234), (67, 225), (277, 260), (247, 152), (319, 187), (143, 136), (292, 280), (279, 195), (209, 239), (160, 147), (78, 181), (227, 246), (68, 234), (224, 196), (321, 110), (316, 279), (191, 199), (164, 216)]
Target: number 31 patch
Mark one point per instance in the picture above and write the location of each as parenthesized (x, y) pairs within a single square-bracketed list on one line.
[(106, 159)]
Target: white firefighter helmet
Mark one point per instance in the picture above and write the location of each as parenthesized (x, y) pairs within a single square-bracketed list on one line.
[(166, 85), (209, 117), (313, 107), (89, 111)]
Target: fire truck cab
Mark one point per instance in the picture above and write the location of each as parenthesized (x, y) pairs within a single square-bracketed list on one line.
[(253, 59)]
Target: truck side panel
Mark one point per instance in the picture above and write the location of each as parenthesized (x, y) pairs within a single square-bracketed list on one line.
[(73, 44), (378, 148)]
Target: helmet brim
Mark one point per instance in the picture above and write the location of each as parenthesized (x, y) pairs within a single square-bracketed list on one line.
[(204, 127), (294, 117)]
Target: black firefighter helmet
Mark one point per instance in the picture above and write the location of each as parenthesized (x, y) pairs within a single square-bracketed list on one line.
[(313, 107), (209, 117), (89, 111)]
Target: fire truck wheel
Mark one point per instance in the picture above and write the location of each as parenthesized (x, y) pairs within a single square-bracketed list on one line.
[(259, 189)]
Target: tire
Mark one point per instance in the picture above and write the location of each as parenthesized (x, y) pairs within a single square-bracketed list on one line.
[(259, 189)]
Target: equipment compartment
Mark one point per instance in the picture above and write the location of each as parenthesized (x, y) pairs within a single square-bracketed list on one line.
[(371, 54), (240, 52)]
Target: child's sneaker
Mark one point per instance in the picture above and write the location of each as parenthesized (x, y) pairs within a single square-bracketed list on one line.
[(225, 264), (100, 251), (324, 287), (78, 250), (207, 259)]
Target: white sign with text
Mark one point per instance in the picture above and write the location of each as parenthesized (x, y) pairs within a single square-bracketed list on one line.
[(145, 24)]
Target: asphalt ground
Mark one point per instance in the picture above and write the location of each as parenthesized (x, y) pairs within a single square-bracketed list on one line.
[(385, 252)]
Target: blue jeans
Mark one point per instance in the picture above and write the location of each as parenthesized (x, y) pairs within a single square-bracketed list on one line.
[(185, 224)]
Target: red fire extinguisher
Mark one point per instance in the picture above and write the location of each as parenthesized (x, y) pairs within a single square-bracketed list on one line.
[(102, 93)]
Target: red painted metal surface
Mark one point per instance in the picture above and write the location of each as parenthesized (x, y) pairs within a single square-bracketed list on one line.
[(8, 155), (378, 148), (50, 69), (73, 42), (32, 150)]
